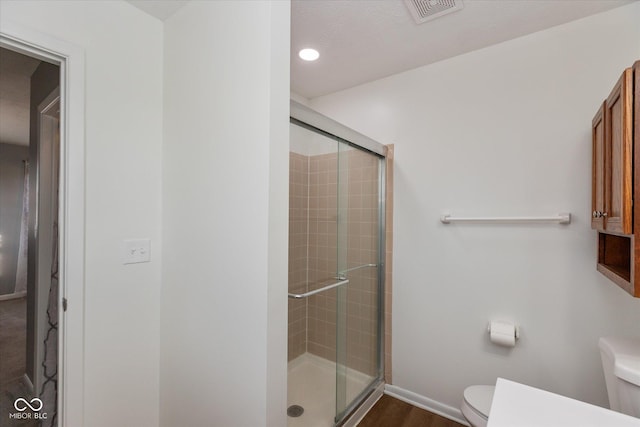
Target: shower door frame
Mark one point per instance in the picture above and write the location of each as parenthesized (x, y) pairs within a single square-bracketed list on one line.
[(305, 117)]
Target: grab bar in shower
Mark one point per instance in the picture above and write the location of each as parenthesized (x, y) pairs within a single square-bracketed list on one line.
[(317, 291)]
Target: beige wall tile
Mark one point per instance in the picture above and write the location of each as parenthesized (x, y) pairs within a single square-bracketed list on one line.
[(315, 200)]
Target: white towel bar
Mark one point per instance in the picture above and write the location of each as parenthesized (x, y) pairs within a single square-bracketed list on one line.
[(563, 218)]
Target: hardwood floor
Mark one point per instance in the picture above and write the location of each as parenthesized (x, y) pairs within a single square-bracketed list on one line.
[(391, 412)]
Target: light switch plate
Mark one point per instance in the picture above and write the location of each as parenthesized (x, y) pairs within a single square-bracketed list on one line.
[(136, 250)]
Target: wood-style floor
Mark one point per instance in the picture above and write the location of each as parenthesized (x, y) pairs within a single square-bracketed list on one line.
[(391, 412)]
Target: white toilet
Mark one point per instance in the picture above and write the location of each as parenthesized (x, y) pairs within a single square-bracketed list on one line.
[(621, 365), (476, 404)]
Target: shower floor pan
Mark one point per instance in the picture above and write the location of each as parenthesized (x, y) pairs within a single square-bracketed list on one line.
[(312, 384)]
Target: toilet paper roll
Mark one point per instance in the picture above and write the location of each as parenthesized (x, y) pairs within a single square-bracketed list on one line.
[(503, 333)]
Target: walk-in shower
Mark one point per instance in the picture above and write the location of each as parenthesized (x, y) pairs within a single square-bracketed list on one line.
[(336, 269)]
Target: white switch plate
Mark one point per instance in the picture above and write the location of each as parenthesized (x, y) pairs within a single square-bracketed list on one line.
[(136, 250)]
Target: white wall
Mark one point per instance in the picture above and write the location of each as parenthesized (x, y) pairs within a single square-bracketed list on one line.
[(500, 131), (123, 49), (225, 207)]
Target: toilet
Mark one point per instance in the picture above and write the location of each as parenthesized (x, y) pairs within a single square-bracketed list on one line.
[(621, 366), (477, 403)]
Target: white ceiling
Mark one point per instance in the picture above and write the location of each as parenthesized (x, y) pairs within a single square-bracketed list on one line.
[(361, 40), (15, 90), (364, 40)]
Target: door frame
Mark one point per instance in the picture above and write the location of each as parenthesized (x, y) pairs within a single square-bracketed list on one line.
[(47, 131), (71, 59)]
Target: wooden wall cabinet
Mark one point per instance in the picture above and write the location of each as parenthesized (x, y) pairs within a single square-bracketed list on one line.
[(616, 182), (598, 175)]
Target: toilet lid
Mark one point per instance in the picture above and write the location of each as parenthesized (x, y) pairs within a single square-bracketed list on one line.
[(479, 397)]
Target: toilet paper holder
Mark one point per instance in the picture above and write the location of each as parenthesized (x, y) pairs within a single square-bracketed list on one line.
[(503, 333)]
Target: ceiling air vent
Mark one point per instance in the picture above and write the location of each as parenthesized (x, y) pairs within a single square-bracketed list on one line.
[(426, 10)]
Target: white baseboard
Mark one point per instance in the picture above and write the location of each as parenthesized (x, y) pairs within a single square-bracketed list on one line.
[(425, 403)]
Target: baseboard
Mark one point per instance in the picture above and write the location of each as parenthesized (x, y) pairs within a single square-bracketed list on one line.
[(425, 403)]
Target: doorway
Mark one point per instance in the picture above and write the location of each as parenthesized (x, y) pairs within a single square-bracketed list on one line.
[(70, 59), (29, 263)]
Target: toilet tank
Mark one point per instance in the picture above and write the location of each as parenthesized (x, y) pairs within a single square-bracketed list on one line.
[(621, 365)]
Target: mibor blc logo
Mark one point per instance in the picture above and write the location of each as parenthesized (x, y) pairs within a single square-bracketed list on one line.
[(35, 405)]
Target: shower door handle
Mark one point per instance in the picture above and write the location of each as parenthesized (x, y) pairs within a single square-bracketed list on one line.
[(317, 291)]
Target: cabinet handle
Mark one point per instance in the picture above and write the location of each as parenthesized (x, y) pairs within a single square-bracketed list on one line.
[(594, 214), (603, 214)]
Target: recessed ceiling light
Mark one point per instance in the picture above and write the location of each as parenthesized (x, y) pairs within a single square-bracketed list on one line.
[(309, 54)]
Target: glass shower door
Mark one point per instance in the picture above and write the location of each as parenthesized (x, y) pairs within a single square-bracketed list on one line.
[(334, 252), (359, 303), (313, 243)]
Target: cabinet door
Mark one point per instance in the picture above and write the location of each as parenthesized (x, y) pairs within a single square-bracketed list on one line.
[(619, 160), (598, 170)]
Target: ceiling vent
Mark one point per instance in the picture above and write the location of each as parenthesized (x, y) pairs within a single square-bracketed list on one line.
[(426, 10)]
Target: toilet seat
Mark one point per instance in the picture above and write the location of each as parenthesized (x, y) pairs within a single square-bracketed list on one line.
[(477, 404)]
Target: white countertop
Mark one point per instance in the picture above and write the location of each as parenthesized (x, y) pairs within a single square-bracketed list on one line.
[(518, 405)]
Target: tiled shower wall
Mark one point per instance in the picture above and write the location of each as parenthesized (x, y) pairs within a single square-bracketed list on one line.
[(323, 255), (362, 248), (298, 243), (359, 182)]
